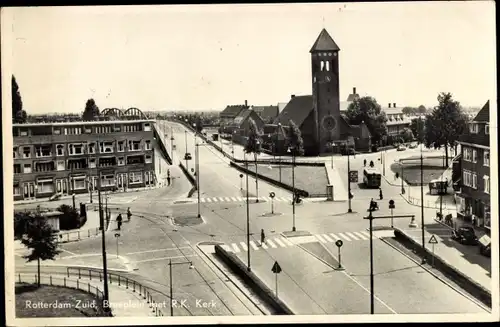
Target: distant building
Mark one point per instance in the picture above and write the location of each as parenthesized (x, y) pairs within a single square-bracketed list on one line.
[(318, 116), (239, 128), (75, 157), (227, 116), (344, 105), (396, 120), (267, 113), (473, 181)]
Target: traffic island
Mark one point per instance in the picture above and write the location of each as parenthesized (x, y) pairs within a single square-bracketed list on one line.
[(271, 214), (448, 270), (252, 281), (189, 220)]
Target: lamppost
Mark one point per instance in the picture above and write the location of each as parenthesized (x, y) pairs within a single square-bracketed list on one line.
[(185, 155), (172, 142), (292, 151), (349, 179), (422, 200), (248, 216), (103, 245), (197, 167), (402, 176), (257, 143), (279, 156), (170, 264)]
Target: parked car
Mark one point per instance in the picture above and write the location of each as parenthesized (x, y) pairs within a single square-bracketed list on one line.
[(401, 148), (413, 146), (485, 245), (465, 235)]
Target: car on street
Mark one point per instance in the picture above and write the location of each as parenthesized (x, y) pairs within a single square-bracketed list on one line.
[(465, 235), (485, 245), (401, 148), (413, 146)]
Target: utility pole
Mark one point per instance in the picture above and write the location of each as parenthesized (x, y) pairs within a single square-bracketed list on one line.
[(349, 180), (197, 164), (422, 200), (248, 221), (104, 260), (293, 188)]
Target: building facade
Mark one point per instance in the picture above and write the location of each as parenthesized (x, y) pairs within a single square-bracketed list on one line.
[(473, 196), (75, 157)]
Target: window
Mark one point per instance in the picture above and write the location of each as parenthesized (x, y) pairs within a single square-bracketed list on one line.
[(474, 155), (117, 128), (79, 183), (133, 160), (45, 186), (75, 149), (135, 178), (121, 146), (17, 169), (60, 165), (23, 132), (92, 148), (92, 163), (60, 150), (486, 158), (487, 129), (107, 162), (462, 206), (147, 145), (44, 166), (43, 151), (147, 127), (467, 178), (106, 147), (27, 168), (121, 161), (88, 129), (486, 180), (467, 154), (57, 131), (16, 152), (149, 159), (134, 145), (17, 190), (474, 180), (107, 180), (473, 128)]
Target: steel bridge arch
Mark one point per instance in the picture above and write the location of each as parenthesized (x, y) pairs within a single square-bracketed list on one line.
[(112, 112), (134, 113)]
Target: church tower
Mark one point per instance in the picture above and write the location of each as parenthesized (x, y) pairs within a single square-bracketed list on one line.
[(325, 90)]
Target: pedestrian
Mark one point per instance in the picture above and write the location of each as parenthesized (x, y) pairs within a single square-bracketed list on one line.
[(371, 163), (396, 176), (119, 221), (168, 180), (380, 194), (262, 237), (129, 214), (364, 163)]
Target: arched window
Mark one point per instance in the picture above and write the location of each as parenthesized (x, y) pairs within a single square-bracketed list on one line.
[(322, 65), (327, 66)]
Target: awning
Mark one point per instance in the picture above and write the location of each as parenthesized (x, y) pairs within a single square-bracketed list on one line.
[(485, 240)]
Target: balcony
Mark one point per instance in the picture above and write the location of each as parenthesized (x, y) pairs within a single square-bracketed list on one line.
[(479, 139)]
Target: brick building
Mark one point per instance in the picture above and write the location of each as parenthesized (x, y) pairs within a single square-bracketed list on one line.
[(473, 181), (72, 157)]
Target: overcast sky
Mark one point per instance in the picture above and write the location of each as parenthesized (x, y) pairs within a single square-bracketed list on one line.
[(205, 57)]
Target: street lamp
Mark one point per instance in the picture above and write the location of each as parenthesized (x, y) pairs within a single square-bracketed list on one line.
[(103, 247), (248, 215), (170, 264), (292, 151), (279, 155), (422, 199), (197, 167), (186, 140), (257, 143), (348, 178)]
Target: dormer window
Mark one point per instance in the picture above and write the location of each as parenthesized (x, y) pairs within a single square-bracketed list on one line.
[(487, 129), (473, 128)]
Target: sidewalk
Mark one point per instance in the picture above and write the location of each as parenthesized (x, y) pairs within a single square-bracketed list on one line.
[(124, 302)]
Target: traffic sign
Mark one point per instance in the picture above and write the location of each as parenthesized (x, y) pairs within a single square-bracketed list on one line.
[(276, 268), (339, 243), (433, 240), (241, 175), (353, 176), (391, 204), (272, 195), (117, 234)]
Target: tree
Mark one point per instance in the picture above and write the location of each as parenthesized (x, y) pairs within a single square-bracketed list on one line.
[(407, 135), (367, 110), (199, 124), (253, 145), (417, 128), (91, 110), (70, 217), (421, 109), (445, 123), (294, 139), (408, 111), (18, 114), (39, 237)]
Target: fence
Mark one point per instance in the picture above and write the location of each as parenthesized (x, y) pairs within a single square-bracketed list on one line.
[(64, 237), (430, 204), (50, 280), (119, 280)]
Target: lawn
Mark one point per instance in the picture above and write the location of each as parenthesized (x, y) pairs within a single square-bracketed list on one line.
[(53, 294), (308, 178), (411, 173)]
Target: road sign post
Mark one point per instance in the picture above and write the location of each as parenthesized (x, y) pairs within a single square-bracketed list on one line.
[(117, 236), (276, 270), (433, 241), (392, 206), (241, 181), (272, 195), (339, 244)]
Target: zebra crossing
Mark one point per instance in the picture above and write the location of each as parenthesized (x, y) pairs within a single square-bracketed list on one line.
[(243, 199), (283, 242)]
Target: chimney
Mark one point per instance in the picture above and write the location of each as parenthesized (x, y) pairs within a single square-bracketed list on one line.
[(389, 104), (394, 105), (354, 90), (293, 96), (246, 104)]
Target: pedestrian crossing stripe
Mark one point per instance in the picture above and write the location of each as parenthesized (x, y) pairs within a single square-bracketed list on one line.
[(284, 242), (243, 199)]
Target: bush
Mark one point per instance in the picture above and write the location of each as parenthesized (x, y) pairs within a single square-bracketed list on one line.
[(21, 221), (70, 219)]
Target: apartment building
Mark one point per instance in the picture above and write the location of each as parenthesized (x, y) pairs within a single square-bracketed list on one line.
[(75, 157), (473, 194)]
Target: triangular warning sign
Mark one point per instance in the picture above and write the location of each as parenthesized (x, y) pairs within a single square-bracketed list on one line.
[(433, 240), (276, 268)]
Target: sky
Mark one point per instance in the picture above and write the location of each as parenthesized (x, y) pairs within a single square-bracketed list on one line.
[(204, 57)]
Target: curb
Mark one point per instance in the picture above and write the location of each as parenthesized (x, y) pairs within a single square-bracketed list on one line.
[(444, 281)]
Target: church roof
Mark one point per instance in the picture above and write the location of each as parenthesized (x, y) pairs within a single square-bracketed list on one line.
[(484, 114), (296, 110), (324, 42)]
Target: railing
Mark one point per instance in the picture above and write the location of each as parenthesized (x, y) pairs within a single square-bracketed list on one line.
[(63, 237), (128, 283), (25, 278), (430, 204)]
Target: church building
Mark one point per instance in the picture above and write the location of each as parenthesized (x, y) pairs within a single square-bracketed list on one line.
[(318, 116)]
